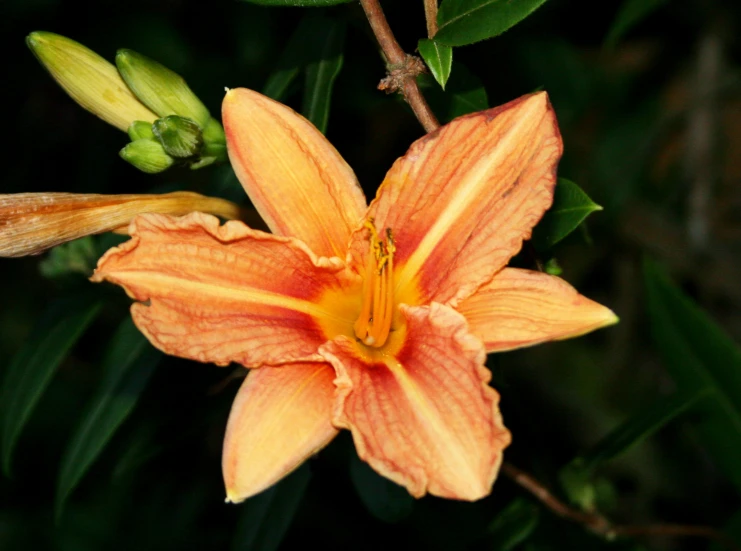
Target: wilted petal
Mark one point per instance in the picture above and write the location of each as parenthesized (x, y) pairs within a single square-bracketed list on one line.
[(521, 308), (226, 293), (280, 417), (425, 417), (462, 199), (89, 79), (293, 175), (30, 223)]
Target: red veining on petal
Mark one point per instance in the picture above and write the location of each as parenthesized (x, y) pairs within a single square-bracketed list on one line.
[(227, 293), (426, 417)]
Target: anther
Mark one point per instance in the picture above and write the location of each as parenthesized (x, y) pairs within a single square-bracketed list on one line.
[(377, 310)]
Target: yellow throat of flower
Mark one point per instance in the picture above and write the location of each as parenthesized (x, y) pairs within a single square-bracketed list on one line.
[(377, 312)]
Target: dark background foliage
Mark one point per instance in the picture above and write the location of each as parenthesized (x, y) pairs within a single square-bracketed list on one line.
[(652, 133)]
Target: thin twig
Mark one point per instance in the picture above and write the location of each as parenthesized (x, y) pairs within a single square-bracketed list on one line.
[(677, 530), (403, 68), (600, 525), (431, 17)]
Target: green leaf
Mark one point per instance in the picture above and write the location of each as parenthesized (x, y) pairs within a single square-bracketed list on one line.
[(31, 369), (700, 357), (631, 13), (465, 94), (293, 58), (640, 426), (76, 257), (383, 498), (462, 22), (265, 518), (439, 59), (299, 3), (316, 46), (279, 82), (513, 525), (322, 71), (578, 486), (128, 364), (570, 207), (577, 476)]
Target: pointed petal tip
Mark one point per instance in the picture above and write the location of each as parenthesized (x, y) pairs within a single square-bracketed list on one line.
[(280, 418), (235, 498), (296, 179), (602, 317), (520, 308), (611, 318), (230, 93), (246, 97)]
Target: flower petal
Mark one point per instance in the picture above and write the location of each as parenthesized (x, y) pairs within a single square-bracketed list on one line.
[(463, 198), (30, 223), (295, 178), (279, 418), (425, 418), (226, 293), (520, 308)]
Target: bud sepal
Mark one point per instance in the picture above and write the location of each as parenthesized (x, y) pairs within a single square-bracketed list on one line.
[(147, 155)]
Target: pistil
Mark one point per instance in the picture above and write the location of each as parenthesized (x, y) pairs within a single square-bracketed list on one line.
[(377, 312)]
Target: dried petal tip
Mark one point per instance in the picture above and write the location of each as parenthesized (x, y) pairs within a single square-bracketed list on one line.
[(30, 223), (89, 79)]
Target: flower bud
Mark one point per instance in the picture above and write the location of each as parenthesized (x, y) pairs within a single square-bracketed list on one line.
[(147, 155), (89, 79), (140, 130), (213, 132), (180, 137), (162, 90)]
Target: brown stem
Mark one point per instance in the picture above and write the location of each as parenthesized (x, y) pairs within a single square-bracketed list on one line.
[(431, 17), (403, 68), (601, 525)]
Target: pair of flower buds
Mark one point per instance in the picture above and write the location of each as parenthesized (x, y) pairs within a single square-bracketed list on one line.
[(167, 125), (165, 120)]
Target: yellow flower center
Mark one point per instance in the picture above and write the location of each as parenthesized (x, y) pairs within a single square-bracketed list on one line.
[(377, 312)]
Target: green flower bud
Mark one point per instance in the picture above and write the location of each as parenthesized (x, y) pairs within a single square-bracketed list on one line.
[(213, 132), (552, 267), (181, 137), (162, 90), (89, 79), (140, 130), (147, 155)]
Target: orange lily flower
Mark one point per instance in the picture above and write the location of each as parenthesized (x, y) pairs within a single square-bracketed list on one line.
[(374, 318)]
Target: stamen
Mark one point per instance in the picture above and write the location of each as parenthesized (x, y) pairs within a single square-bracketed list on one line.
[(377, 312)]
